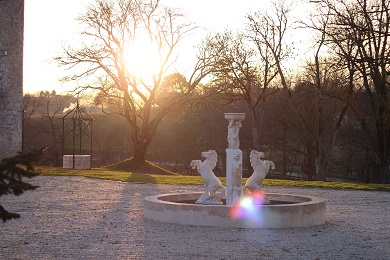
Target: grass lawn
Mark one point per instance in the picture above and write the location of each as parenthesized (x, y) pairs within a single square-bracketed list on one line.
[(138, 176)]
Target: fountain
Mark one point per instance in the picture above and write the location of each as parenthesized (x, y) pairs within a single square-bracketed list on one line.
[(235, 205)]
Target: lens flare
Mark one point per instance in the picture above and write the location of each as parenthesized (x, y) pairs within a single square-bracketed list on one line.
[(248, 208)]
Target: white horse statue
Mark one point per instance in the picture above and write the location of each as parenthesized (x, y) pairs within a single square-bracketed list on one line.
[(261, 168), (214, 191)]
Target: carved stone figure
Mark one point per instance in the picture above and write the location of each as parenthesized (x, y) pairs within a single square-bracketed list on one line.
[(233, 133), (261, 168), (236, 176), (214, 191)]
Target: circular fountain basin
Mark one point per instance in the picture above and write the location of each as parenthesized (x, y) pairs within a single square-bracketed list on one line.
[(285, 211)]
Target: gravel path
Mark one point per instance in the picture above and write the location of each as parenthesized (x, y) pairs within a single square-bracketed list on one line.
[(81, 218)]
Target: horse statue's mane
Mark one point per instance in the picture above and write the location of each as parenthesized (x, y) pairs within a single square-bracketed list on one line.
[(254, 158), (211, 158)]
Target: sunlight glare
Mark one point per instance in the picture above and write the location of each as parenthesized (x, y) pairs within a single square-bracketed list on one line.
[(143, 59), (248, 208)]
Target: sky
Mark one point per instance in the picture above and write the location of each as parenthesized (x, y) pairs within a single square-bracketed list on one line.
[(50, 25)]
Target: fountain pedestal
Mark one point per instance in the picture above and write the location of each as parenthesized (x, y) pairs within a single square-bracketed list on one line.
[(233, 175), (233, 158)]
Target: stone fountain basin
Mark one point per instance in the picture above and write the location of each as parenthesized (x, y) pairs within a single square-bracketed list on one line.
[(285, 211)]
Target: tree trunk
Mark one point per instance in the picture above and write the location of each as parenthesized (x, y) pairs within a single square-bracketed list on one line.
[(255, 130), (255, 135), (320, 169), (309, 167), (284, 161), (139, 153), (382, 135), (321, 162), (140, 139)]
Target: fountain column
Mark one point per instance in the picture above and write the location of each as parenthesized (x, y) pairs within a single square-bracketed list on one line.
[(233, 158)]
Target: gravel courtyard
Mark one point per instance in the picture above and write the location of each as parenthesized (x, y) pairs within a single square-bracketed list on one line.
[(82, 218)]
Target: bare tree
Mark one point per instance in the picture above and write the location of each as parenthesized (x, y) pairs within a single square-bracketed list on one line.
[(358, 32), (52, 107), (268, 31), (325, 105), (113, 28), (240, 74), (31, 105)]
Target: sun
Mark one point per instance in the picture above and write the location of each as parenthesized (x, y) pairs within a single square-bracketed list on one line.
[(142, 58)]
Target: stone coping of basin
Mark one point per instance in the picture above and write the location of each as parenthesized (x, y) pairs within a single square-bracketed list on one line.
[(305, 211)]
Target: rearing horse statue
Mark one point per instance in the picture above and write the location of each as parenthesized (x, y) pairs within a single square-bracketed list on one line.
[(214, 191), (261, 168)]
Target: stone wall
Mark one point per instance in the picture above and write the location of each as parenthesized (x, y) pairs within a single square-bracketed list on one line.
[(11, 76), (81, 162)]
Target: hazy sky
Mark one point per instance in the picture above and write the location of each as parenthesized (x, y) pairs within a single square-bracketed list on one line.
[(50, 24)]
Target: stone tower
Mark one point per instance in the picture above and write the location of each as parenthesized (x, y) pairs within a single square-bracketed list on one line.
[(11, 76)]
